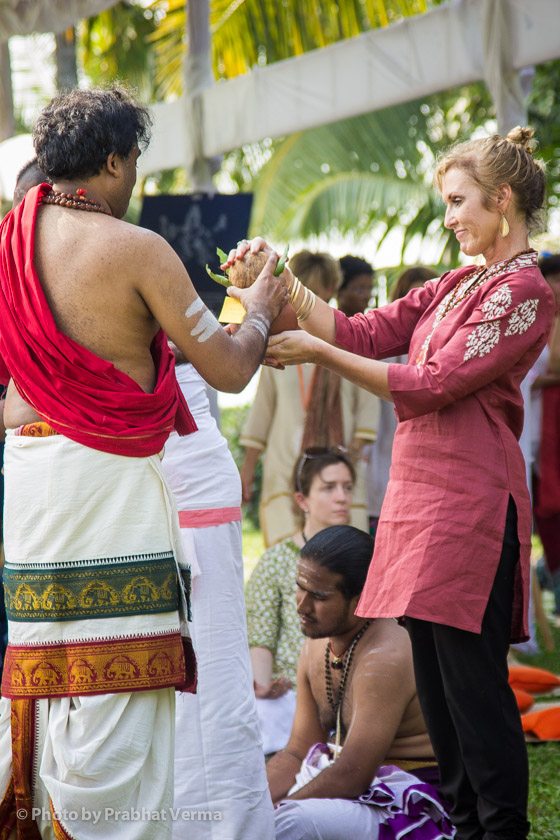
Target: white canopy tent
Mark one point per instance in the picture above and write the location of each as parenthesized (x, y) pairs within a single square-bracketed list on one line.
[(23, 17), (457, 43), (460, 42)]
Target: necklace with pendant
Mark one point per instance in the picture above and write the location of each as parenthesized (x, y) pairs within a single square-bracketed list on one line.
[(466, 287), (342, 663)]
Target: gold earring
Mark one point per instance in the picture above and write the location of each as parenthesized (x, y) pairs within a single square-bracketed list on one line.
[(504, 226)]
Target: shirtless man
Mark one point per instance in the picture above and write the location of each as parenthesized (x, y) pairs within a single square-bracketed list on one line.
[(91, 536), (365, 669)]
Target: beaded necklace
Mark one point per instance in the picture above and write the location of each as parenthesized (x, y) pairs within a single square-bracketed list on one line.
[(466, 286), (74, 201), (346, 658), (336, 705)]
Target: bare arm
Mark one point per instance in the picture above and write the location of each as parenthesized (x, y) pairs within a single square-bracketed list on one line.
[(306, 731), (247, 472), (297, 347), (382, 689), (545, 380), (225, 361), (262, 661)]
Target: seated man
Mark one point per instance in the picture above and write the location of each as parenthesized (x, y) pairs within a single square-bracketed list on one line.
[(355, 683)]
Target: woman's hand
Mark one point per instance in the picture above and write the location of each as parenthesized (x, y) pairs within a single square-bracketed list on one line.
[(292, 348), (254, 246), (243, 247), (274, 690)]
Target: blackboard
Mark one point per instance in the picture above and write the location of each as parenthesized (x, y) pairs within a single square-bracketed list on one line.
[(194, 225)]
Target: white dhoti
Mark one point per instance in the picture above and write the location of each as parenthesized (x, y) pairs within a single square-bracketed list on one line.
[(220, 778), (104, 764), (276, 718), (95, 647), (396, 805)]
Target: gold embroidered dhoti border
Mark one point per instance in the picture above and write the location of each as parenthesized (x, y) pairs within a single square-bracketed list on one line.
[(82, 767), (102, 667), (16, 806), (106, 651)]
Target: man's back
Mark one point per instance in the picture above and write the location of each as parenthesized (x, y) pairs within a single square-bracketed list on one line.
[(90, 266)]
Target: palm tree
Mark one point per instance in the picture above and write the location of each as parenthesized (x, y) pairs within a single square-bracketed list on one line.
[(115, 45), (246, 33), (359, 176)]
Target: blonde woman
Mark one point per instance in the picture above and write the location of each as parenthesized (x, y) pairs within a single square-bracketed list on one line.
[(453, 542)]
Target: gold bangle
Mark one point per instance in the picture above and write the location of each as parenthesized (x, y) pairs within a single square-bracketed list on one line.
[(307, 307), (295, 289), (300, 309)]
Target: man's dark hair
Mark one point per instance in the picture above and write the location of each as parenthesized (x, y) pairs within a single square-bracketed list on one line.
[(29, 168), (549, 263), (344, 550), (28, 176), (411, 277), (78, 130), (353, 266)]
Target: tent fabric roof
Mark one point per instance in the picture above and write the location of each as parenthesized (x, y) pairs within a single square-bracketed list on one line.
[(23, 17), (460, 42)]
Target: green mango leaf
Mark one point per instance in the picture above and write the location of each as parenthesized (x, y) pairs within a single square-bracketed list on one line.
[(218, 278), (281, 262)]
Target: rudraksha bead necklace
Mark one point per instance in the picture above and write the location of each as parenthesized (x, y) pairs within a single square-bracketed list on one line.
[(75, 201)]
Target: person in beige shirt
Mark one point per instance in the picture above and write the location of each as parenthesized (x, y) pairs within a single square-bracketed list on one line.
[(300, 407)]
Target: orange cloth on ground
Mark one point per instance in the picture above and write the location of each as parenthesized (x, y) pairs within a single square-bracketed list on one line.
[(545, 723), (534, 680), (523, 699)]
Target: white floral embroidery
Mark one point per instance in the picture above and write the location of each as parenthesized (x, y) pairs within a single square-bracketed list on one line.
[(497, 304), (522, 317), (482, 340)]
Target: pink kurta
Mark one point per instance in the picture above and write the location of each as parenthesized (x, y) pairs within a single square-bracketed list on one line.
[(456, 459)]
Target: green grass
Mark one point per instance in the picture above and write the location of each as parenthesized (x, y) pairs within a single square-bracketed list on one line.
[(544, 759), (253, 547)]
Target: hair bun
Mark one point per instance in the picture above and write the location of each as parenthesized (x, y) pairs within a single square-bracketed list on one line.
[(522, 136)]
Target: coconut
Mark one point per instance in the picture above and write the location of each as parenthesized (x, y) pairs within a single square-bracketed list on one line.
[(243, 273)]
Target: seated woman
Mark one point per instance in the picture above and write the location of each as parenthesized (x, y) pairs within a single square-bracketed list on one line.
[(323, 482)]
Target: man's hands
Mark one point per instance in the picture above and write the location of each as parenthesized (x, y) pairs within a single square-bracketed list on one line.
[(268, 295)]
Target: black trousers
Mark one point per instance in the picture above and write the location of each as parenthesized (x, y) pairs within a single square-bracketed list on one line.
[(471, 713)]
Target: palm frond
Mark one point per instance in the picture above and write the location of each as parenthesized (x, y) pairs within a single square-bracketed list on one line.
[(246, 33)]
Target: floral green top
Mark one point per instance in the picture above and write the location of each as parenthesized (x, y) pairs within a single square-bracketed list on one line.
[(272, 617)]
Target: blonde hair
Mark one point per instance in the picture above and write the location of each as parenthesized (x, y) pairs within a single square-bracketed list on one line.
[(492, 161), (319, 272)]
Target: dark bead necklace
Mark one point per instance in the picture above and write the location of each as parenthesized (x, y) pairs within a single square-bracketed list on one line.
[(345, 664), (74, 201)]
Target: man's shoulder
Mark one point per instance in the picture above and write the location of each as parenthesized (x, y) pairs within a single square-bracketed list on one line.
[(127, 234), (138, 252), (386, 645)]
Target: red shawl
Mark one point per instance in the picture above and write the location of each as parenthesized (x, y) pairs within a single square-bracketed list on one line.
[(549, 467), (81, 395)]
